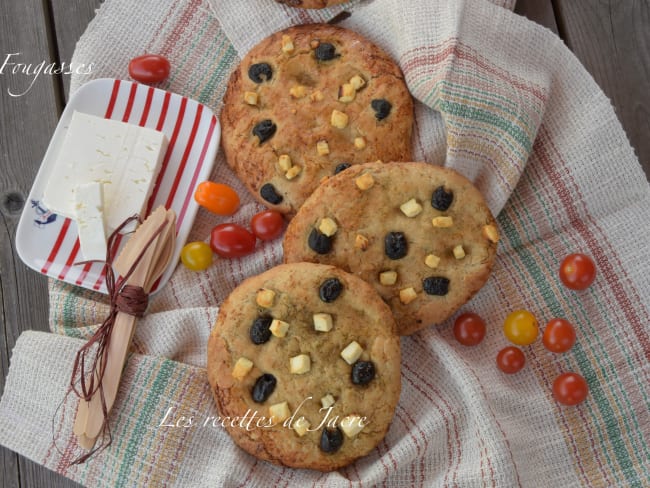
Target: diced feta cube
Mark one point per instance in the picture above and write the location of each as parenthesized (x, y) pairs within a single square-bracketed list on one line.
[(300, 364), (323, 322), (242, 368), (352, 352)]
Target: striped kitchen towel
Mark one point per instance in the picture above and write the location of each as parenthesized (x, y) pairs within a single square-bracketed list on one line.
[(503, 101)]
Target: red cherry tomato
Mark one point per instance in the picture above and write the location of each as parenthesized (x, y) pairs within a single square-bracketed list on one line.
[(469, 329), (217, 198), (577, 271), (559, 335), (231, 241), (570, 389), (149, 68), (267, 225), (510, 359)]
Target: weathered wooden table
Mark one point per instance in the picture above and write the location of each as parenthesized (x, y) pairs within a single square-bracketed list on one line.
[(610, 37)]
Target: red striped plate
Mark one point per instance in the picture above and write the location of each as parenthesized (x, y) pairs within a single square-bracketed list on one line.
[(49, 243)]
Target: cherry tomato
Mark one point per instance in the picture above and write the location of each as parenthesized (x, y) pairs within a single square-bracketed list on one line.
[(149, 68), (231, 241), (559, 335), (577, 271), (469, 329), (570, 389), (510, 360), (196, 256), (267, 225), (520, 327), (217, 197)]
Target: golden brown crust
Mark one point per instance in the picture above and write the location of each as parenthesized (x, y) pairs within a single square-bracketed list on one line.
[(359, 314), (302, 120), (375, 212)]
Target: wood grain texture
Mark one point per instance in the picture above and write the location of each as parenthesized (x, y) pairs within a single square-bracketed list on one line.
[(540, 11), (70, 19), (612, 40)]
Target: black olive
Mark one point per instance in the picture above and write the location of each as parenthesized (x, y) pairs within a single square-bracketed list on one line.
[(319, 242), (263, 388), (260, 331), (260, 72), (264, 130), (331, 440), (330, 290), (326, 51), (441, 198), (341, 167), (363, 372), (269, 193), (436, 285), (395, 245), (381, 107)]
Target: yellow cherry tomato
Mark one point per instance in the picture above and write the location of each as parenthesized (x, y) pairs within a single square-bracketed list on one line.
[(520, 327), (196, 256)]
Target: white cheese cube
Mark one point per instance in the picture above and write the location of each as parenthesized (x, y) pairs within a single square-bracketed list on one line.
[(388, 278), (323, 322), (365, 181), (407, 295), (124, 157), (279, 412), (89, 199), (300, 364), (328, 227), (411, 208), (352, 425), (301, 426), (432, 261), (327, 401), (352, 352), (442, 222), (265, 298), (284, 161), (459, 252), (279, 328), (242, 368)]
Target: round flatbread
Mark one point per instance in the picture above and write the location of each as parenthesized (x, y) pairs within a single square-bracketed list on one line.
[(316, 350), (421, 234), (308, 102)]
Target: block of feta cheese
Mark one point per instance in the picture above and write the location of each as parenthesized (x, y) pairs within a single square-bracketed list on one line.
[(90, 220), (124, 157)]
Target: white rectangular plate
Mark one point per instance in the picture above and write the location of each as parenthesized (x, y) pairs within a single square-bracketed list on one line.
[(49, 243)]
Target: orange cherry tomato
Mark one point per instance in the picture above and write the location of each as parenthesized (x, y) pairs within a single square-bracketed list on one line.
[(469, 329), (570, 389), (510, 360), (559, 335), (520, 327), (149, 68), (217, 198), (577, 271)]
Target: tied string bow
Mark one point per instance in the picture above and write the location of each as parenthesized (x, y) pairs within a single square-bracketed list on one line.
[(86, 381)]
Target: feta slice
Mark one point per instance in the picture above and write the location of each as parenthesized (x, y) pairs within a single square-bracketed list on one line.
[(124, 157), (89, 199)]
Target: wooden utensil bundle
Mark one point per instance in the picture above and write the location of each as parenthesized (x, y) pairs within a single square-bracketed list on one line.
[(148, 251)]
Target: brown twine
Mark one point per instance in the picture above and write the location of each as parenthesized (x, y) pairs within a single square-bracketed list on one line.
[(125, 298)]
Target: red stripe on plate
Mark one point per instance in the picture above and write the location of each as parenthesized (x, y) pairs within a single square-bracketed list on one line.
[(84, 272), (71, 259), (111, 103), (170, 149), (57, 246), (147, 107), (129, 103), (204, 150), (163, 112), (186, 155)]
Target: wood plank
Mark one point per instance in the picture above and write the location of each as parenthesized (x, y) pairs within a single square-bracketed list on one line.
[(612, 40), (540, 11), (70, 19), (31, 117)]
